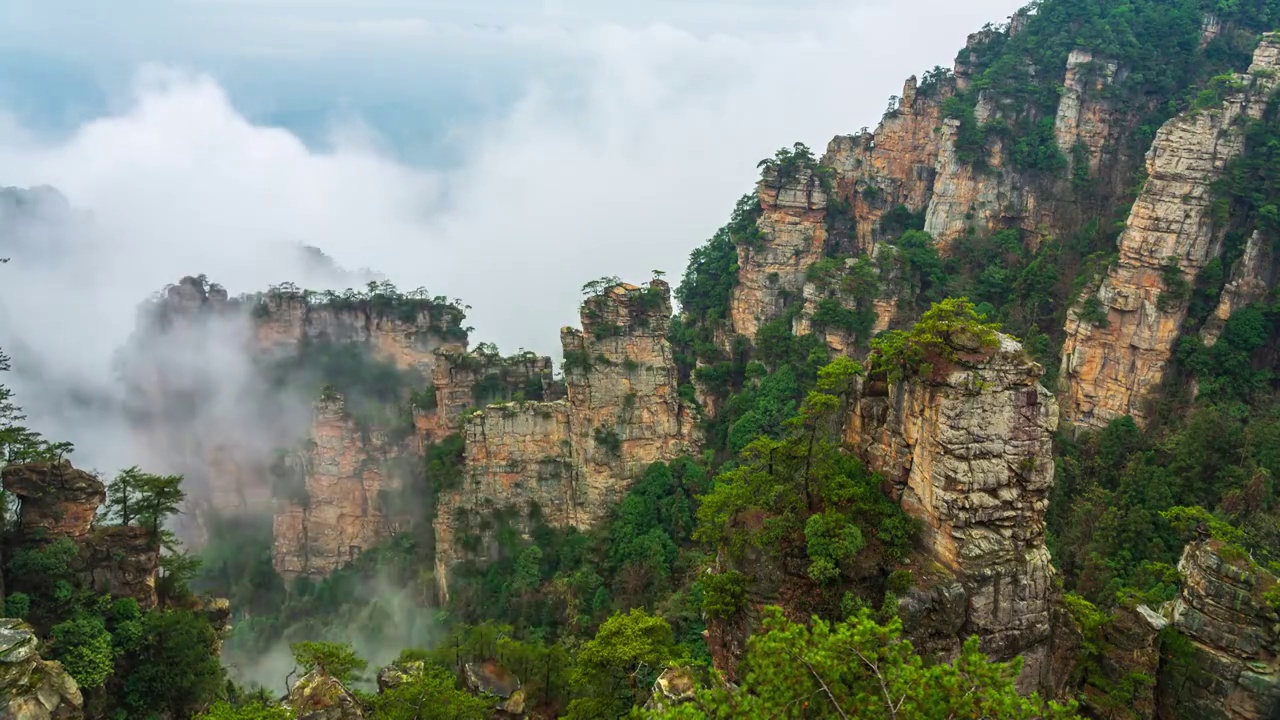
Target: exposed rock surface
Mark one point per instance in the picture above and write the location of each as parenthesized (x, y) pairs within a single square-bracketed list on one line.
[(320, 696), (674, 686), (32, 688), (121, 561), (57, 499), (793, 233), (339, 494), (969, 452), (1109, 368), (1084, 118), (1252, 277), (1231, 670), (574, 459)]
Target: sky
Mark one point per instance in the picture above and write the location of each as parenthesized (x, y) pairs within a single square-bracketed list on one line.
[(503, 152)]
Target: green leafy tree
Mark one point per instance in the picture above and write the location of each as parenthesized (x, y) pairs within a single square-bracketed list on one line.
[(83, 646), (175, 669), (252, 711), (862, 669), (338, 660), (616, 668), (431, 694)]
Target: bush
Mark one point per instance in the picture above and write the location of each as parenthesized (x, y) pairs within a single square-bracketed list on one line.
[(83, 646), (17, 605), (724, 594)]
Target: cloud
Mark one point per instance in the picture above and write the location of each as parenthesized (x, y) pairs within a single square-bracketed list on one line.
[(626, 149)]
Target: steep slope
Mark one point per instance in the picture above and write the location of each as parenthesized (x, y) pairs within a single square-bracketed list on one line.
[(1112, 364)]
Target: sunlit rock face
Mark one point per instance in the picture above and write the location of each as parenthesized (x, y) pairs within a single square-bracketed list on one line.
[(968, 450), (1121, 335), (568, 462)]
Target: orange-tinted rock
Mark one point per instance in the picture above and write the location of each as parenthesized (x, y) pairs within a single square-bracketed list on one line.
[(573, 459), (970, 453), (57, 499), (121, 561), (1109, 369)]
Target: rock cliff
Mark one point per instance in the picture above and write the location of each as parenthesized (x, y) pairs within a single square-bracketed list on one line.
[(32, 688), (568, 462), (1231, 667), (968, 450), (57, 499), (792, 237), (1121, 335)]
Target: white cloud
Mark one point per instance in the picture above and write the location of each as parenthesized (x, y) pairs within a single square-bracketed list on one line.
[(623, 165)]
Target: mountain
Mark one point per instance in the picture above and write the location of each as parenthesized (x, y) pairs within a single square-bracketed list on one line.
[(998, 377)]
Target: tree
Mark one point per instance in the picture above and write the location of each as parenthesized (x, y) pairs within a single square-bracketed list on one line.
[(431, 694), (83, 646), (617, 667), (861, 669), (337, 660), (252, 711), (175, 669)]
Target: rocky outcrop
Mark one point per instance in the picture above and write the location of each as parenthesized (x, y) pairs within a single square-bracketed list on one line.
[(1252, 278), (675, 686), (568, 462), (1121, 335), (1083, 123), (968, 450), (32, 688), (320, 696), (489, 679), (894, 166), (1230, 669), (338, 496), (57, 499), (121, 561), (792, 236)]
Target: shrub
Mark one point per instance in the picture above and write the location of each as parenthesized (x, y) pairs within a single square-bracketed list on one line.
[(724, 594)]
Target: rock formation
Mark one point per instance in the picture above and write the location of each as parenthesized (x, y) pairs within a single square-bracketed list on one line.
[(968, 450), (57, 499), (339, 495), (320, 696), (32, 688), (1110, 364), (792, 230), (1231, 669), (568, 462), (1252, 277)]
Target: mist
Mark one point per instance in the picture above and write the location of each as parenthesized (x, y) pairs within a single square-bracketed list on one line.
[(632, 134)]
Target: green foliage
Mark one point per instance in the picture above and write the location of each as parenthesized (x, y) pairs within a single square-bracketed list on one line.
[(337, 660), (252, 711), (17, 605), (1092, 312), (174, 669), (788, 163), (379, 300), (616, 668), (948, 328), (83, 646), (608, 439), (1177, 291), (724, 594), (429, 694), (832, 539), (862, 669)]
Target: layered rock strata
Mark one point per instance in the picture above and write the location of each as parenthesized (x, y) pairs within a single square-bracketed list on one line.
[(968, 450), (57, 499), (568, 462), (1231, 670), (1120, 337), (792, 236), (32, 688)]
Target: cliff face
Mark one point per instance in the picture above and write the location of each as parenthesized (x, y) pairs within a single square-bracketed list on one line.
[(32, 688), (969, 452), (340, 495), (568, 462), (1252, 277), (1231, 669), (792, 228), (1110, 367), (59, 501)]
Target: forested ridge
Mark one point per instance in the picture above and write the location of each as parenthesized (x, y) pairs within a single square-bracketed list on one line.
[(781, 568)]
